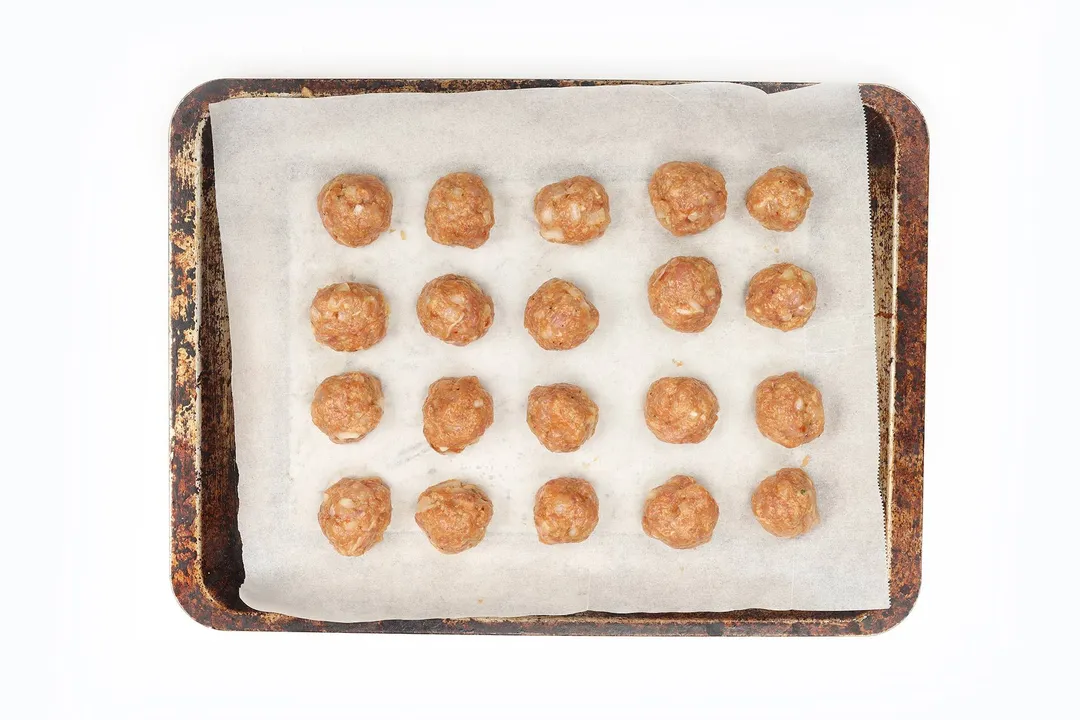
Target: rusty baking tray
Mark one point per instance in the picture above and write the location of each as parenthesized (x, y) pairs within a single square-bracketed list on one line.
[(207, 565)]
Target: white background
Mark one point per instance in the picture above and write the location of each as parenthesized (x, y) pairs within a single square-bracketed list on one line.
[(92, 629)]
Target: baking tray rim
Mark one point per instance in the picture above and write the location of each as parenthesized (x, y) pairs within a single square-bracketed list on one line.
[(907, 400)]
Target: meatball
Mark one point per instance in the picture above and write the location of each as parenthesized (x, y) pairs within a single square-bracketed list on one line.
[(454, 309), (457, 411), (355, 513), (680, 513), (680, 410), (355, 209), (781, 296), (454, 515), (789, 410), (779, 199), (349, 316), (348, 406), (559, 316), (685, 293), (459, 211), (785, 503), (561, 416), (566, 511), (572, 211), (688, 197)]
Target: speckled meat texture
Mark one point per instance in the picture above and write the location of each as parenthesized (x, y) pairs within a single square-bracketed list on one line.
[(454, 309), (559, 316), (685, 293), (349, 316), (459, 211), (457, 411), (566, 510), (561, 416), (680, 410), (680, 513), (355, 513), (779, 199), (786, 503), (789, 410), (355, 209), (688, 197), (781, 296), (347, 407), (454, 515), (572, 211)]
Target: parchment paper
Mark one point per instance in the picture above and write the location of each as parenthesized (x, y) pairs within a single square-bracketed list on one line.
[(273, 155)]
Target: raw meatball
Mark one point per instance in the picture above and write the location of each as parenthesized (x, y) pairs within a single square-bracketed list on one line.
[(561, 416), (572, 211), (454, 309), (680, 410), (559, 316), (789, 410), (566, 511), (685, 293), (349, 316), (688, 197), (355, 209), (785, 503), (456, 413), (680, 513), (459, 211), (781, 296), (454, 515), (348, 406), (779, 199), (355, 513)]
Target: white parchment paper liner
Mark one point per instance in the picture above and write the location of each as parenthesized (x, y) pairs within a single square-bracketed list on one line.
[(271, 158)]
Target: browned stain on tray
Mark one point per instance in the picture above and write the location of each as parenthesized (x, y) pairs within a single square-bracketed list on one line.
[(207, 565)]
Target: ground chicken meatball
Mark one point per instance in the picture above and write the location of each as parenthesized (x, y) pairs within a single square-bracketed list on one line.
[(781, 296), (559, 316), (680, 410), (348, 406), (566, 511), (355, 209), (355, 513), (349, 316), (454, 515), (685, 293), (680, 513), (785, 503), (457, 411), (572, 211), (454, 309), (779, 199), (688, 197), (789, 410), (561, 416), (459, 211)]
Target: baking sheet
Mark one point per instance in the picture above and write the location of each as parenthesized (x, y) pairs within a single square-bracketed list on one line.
[(271, 158)]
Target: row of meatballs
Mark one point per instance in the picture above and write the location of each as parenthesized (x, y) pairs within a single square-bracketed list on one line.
[(687, 198), (684, 293), (454, 515), (458, 410)]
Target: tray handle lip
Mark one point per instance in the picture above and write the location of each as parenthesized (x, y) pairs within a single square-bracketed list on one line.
[(911, 134), (195, 103), (195, 601), (905, 114)]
